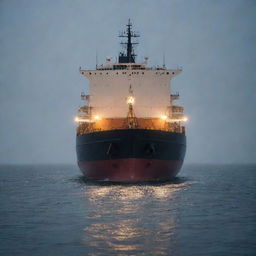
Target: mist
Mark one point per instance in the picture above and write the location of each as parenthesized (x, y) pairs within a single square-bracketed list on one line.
[(43, 43)]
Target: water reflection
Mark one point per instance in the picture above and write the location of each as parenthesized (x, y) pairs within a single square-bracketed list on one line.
[(131, 219)]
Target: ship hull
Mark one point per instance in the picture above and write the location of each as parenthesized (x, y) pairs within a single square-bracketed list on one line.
[(132, 155)]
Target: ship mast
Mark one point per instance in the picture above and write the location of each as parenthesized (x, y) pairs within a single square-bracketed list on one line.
[(129, 57)]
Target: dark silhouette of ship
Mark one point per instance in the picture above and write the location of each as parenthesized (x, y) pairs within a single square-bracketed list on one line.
[(129, 130)]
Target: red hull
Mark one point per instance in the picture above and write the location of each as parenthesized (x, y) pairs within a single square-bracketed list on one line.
[(130, 169)]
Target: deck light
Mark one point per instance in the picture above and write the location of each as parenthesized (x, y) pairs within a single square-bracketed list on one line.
[(130, 100), (172, 120), (97, 118), (82, 120), (163, 117), (185, 119)]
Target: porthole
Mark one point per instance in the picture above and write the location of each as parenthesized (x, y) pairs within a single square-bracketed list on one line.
[(90, 73), (167, 73), (173, 73), (142, 73), (82, 73)]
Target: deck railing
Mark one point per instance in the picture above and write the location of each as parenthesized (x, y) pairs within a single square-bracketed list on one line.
[(121, 124)]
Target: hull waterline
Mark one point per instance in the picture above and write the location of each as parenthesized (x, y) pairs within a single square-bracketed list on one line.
[(130, 170)]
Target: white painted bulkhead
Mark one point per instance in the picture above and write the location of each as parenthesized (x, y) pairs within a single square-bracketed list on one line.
[(109, 89)]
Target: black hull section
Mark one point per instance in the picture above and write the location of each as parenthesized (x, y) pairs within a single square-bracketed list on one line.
[(131, 155)]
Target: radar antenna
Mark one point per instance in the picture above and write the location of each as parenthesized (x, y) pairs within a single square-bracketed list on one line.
[(129, 56)]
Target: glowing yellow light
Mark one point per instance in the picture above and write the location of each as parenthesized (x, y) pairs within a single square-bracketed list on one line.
[(130, 100), (97, 118), (164, 117), (82, 120), (172, 120)]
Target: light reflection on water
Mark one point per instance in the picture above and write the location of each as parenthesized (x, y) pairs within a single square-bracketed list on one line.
[(131, 219), (49, 210)]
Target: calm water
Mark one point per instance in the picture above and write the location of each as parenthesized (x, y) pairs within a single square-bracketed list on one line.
[(51, 210)]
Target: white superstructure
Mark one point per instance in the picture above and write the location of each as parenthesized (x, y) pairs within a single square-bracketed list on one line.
[(109, 86)]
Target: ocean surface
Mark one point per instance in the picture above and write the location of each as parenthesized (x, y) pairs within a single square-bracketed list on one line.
[(52, 210)]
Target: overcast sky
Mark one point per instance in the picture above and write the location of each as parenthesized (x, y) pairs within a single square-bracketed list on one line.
[(43, 43)]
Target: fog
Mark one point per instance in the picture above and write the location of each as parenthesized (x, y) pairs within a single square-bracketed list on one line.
[(43, 43)]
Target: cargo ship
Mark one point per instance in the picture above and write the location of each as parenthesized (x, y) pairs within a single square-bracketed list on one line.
[(128, 129)]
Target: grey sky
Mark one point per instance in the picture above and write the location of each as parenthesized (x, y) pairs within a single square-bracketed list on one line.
[(43, 43)]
